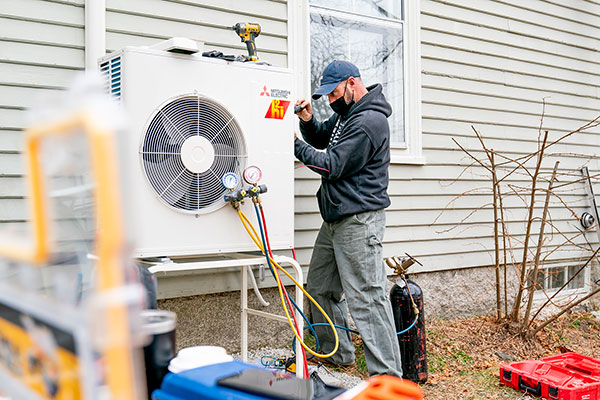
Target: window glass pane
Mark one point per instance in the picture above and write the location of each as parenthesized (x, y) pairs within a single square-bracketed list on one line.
[(377, 52), (556, 277), (373, 8), (579, 280), (540, 278)]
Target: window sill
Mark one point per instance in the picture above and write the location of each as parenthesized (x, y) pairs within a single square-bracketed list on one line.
[(408, 161), (406, 158)]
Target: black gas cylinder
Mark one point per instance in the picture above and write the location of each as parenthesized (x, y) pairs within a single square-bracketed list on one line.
[(412, 343)]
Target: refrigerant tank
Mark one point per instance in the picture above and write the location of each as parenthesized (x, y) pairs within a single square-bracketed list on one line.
[(412, 343)]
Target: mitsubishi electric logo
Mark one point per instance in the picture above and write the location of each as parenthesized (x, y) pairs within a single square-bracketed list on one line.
[(279, 103), (277, 93)]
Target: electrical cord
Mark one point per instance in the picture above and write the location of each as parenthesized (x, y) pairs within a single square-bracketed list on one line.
[(312, 166), (254, 236)]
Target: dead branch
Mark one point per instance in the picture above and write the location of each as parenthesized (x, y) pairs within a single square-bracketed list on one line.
[(536, 262), (496, 238), (459, 175), (564, 310), (559, 290), (455, 199), (591, 124), (477, 160), (576, 181), (465, 218), (568, 240), (516, 192), (517, 304)]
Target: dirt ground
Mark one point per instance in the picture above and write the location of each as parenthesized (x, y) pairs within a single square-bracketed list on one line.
[(464, 355)]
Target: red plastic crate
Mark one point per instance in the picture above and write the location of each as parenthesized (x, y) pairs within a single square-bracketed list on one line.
[(553, 379), (577, 362)]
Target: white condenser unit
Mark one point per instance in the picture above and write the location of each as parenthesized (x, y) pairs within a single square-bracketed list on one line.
[(194, 119)]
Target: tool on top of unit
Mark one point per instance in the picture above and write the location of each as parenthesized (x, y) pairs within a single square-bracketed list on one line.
[(248, 33)]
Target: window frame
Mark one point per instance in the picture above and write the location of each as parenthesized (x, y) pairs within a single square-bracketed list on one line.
[(299, 60), (543, 293)]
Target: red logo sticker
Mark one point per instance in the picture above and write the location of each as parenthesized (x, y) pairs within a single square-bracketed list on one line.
[(264, 92), (277, 109)]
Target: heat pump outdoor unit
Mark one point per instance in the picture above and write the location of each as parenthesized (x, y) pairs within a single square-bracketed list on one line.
[(194, 119)]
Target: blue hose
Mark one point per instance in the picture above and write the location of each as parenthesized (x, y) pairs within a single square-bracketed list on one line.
[(347, 329), (260, 225), (262, 235), (308, 324)]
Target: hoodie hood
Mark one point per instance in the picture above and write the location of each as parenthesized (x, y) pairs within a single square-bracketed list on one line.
[(374, 100)]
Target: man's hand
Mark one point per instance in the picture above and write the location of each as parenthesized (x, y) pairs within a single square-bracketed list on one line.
[(295, 136), (306, 113)]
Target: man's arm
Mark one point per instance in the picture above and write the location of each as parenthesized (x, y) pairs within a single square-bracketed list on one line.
[(317, 133), (348, 156)]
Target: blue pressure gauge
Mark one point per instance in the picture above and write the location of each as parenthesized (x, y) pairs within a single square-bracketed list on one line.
[(230, 180)]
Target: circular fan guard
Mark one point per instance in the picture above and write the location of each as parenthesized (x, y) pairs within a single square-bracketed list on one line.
[(192, 189)]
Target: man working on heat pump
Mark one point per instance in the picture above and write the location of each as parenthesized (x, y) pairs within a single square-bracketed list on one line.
[(347, 256)]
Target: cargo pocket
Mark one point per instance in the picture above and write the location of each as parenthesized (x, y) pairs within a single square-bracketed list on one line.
[(374, 241), (375, 257)]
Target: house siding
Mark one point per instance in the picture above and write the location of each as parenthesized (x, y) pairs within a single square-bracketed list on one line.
[(144, 22), (491, 64), (41, 49)]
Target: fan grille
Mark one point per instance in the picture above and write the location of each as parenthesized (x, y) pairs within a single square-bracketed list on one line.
[(192, 190)]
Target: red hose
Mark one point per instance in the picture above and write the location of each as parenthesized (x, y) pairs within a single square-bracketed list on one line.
[(287, 298)]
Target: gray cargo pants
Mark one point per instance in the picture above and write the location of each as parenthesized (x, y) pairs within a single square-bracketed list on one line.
[(348, 258)]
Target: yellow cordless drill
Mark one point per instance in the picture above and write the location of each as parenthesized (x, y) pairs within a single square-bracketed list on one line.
[(248, 32)]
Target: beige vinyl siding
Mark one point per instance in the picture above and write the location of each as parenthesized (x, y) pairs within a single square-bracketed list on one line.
[(144, 22), (489, 64), (41, 48)]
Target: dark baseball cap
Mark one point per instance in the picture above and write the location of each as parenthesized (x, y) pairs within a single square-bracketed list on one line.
[(333, 74)]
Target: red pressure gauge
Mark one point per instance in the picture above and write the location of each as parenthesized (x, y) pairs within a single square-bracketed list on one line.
[(252, 174)]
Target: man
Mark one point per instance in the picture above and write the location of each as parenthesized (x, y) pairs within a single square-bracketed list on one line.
[(347, 257)]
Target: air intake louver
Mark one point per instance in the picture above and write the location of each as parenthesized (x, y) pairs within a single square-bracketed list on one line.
[(112, 71), (189, 144)]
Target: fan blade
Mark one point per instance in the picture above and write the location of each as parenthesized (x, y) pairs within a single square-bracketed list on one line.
[(170, 178), (225, 159), (175, 136)]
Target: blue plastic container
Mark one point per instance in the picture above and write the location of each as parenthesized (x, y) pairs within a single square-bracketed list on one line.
[(201, 383)]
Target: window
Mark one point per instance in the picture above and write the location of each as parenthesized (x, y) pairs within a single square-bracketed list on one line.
[(376, 36), (553, 278)]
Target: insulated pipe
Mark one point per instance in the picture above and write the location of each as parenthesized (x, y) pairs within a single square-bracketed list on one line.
[(95, 33), (256, 290)]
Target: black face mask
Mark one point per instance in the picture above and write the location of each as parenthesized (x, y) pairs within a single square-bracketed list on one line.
[(340, 106)]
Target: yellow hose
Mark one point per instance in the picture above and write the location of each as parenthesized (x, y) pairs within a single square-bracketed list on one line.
[(254, 236)]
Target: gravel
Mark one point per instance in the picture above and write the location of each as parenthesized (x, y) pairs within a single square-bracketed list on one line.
[(328, 376)]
